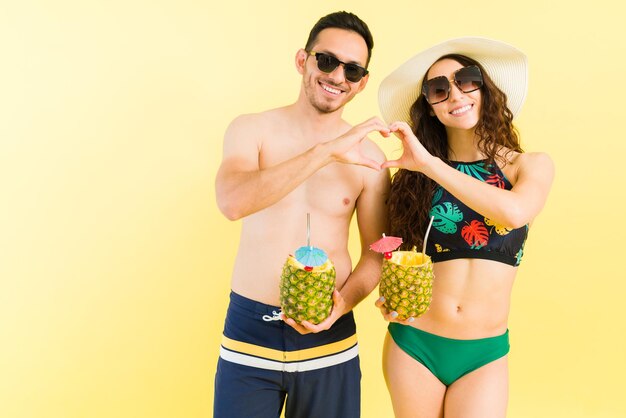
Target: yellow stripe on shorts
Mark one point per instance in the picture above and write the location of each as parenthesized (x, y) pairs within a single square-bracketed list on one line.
[(289, 356)]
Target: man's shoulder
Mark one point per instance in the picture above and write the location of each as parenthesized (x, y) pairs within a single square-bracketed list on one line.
[(254, 127), (372, 147), (259, 118)]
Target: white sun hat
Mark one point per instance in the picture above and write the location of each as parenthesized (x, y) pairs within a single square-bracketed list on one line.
[(506, 65)]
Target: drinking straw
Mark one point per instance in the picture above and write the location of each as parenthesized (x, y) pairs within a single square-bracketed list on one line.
[(308, 229), (432, 218)]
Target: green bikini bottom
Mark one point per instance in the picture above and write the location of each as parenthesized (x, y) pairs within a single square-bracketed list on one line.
[(448, 359)]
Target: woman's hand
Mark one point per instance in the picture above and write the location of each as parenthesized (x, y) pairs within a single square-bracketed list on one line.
[(391, 316), (414, 156)]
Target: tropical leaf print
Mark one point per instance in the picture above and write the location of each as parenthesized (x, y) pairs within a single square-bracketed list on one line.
[(475, 234), (500, 229), (446, 215), (518, 256), (437, 196), (495, 180), (440, 249), (475, 170)]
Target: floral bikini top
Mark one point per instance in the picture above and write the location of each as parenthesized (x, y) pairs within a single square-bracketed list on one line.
[(460, 232)]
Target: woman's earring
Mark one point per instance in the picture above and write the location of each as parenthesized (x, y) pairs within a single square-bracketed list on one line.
[(431, 113)]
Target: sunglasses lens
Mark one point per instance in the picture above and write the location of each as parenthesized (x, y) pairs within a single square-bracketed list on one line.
[(353, 73), (469, 79), (326, 63), (436, 89)]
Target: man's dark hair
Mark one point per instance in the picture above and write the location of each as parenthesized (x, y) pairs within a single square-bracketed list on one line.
[(346, 21)]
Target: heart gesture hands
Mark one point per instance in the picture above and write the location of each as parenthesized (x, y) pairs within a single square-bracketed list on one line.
[(414, 156), (346, 148)]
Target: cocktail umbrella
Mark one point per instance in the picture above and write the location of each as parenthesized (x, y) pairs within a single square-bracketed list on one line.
[(311, 256), (386, 245), (308, 255)]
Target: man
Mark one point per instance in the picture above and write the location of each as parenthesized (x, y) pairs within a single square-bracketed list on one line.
[(278, 166)]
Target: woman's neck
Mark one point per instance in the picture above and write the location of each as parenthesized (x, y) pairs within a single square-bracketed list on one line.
[(463, 146)]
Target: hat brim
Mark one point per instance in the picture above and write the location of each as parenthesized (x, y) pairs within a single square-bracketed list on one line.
[(506, 65)]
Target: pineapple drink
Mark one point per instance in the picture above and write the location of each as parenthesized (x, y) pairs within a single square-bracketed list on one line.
[(306, 292), (406, 283)]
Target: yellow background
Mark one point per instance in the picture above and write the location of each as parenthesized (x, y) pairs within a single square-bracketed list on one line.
[(115, 262)]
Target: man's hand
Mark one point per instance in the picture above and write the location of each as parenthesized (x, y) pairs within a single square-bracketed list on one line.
[(305, 327), (346, 149)]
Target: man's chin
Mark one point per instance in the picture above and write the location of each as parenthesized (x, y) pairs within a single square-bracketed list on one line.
[(327, 108)]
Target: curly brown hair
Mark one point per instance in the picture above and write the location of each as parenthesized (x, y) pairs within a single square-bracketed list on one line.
[(411, 192)]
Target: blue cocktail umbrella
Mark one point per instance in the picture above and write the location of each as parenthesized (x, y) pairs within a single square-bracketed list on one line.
[(311, 256), (308, 255)]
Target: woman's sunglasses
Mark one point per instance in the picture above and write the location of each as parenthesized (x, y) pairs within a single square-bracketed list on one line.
[(327, 63), (467, 79)]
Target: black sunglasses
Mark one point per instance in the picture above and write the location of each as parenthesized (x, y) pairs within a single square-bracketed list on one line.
[(467, 79), (327, 63)]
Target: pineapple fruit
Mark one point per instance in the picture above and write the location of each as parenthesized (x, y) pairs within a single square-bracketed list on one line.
[(306, 293), (406, 283)]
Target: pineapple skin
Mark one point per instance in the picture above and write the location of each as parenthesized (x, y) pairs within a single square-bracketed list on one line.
[(407, 289), (306, 295)]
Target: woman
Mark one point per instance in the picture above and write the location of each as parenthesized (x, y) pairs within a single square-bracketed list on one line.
[(461, 163)]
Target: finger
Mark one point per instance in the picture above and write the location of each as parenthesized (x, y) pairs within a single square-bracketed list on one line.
[(390, 164), (374, 124), (315, 328), (338, 310), (308, 326), (373, 120), (374, 165), (384, 311), (301, 329), (381, 129), (393, 317), (399, 125), (337, 299), (292, 323), (402, 130), (406, 321), (389, 316)]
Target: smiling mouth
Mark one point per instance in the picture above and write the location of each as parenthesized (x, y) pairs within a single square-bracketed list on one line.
[(461, 110), (332, 90)]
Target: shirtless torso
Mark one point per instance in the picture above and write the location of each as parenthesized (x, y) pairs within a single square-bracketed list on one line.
[(331, 195)]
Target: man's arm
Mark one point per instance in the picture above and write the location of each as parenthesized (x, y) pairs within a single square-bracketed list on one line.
[(371, 210), (243, 188), (372, 220)]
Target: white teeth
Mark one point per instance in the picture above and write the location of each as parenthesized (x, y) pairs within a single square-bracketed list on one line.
[(330, 89), (461, 110)]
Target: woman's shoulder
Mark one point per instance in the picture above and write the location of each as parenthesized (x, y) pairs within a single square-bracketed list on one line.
[(507, 156), (513, 163), (535, 166), (533, 160)]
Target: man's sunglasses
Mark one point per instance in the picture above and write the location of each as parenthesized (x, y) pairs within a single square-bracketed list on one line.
[(327, 63), (467, 79)]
